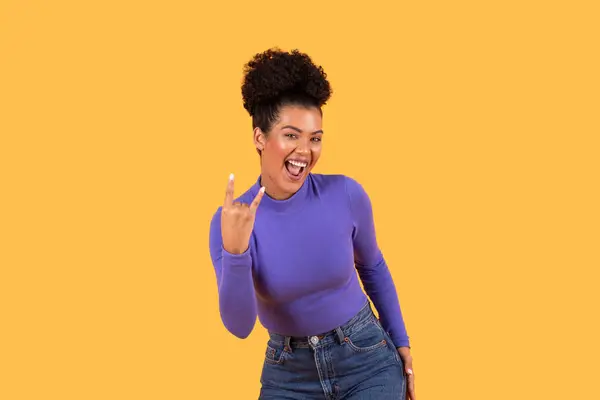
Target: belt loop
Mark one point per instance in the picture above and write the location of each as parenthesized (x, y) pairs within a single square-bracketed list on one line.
[(340, 334), (288, 346)]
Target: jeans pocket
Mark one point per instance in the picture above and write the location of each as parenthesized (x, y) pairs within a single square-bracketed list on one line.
[(275, 353), (370, 337), (392, 346)]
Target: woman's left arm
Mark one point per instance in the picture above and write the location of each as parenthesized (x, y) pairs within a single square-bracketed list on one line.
[(372, 267), (375, 275)]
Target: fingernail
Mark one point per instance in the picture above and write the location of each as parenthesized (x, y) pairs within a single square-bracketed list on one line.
[(230, 177), (262, 189), (409, 371)]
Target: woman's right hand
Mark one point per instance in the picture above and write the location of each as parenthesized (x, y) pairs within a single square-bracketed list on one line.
[(237, 220)]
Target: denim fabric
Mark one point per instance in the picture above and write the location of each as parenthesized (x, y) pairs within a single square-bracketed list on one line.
[(356, 361)]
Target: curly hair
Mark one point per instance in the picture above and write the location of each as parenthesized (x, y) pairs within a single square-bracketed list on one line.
[(275, 78)]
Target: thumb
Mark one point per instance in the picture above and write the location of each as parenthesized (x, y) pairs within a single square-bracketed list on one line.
[(408, 367)]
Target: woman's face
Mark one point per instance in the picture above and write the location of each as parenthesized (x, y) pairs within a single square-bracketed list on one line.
[(290, 150)]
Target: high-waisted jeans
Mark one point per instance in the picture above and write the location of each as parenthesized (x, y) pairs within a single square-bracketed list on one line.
[(356, 361)]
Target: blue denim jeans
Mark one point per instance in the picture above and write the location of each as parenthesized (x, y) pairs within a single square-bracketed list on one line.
[(356, 361)]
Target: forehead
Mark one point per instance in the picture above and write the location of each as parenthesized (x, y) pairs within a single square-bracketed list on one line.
[(307, 119)]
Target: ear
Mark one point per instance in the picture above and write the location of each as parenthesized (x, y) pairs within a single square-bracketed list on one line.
[(259, 139)]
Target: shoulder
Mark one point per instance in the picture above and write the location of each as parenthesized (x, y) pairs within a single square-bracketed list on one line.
[(340, 189), (337, 182), (345, 184)]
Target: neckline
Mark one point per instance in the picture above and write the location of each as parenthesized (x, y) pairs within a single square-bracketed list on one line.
[(293, 202)]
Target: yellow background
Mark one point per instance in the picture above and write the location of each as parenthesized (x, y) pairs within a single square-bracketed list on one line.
[(473, 125)]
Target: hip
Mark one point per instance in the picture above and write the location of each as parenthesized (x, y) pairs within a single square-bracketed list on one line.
[(352, 356)]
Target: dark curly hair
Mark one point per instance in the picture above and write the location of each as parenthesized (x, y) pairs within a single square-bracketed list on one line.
[(275, 78)]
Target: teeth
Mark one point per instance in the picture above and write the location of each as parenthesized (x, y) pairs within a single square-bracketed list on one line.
[(297, 163)]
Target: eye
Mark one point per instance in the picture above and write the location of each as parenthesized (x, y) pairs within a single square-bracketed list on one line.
[(290, 135), (316, 139)]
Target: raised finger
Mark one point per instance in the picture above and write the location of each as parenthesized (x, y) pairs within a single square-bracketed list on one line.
[(257, 199), (229, 192)]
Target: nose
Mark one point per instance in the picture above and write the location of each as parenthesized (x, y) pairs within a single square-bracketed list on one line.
[(303, 147)]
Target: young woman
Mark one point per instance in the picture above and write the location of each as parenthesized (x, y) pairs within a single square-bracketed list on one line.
[(294, 248)]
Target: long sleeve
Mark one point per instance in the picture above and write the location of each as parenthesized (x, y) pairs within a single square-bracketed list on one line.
[(371, 266), (237, 300)]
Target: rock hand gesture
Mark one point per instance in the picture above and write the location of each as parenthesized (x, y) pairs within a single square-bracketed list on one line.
[(237, 220)]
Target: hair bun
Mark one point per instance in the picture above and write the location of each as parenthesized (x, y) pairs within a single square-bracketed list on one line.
[(272, 74)]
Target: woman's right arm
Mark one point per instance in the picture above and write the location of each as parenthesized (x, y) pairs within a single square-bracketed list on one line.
[(237, 299)]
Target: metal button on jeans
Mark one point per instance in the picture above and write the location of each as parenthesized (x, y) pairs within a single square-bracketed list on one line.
[(314, 340)]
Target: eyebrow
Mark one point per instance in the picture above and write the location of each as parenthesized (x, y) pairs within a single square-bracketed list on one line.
[(300, 130)]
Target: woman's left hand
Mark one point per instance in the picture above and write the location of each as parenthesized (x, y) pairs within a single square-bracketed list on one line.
[(407, 360)]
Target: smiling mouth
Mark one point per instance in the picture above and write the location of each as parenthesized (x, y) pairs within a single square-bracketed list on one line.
[(295, 168)]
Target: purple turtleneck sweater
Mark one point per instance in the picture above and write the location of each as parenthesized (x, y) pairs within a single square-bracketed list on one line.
[(299, 275)]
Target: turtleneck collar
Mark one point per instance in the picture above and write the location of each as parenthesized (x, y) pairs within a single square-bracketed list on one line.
[(292, 203)]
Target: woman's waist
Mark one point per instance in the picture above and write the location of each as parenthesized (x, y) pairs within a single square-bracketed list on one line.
[(322, 328)]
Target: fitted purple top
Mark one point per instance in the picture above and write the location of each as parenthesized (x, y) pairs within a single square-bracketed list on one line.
[(299, 275)]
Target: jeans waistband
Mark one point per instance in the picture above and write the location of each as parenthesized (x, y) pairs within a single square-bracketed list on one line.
[(364, 317)]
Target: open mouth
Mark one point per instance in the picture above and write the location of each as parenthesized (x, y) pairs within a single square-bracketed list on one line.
[(295, 168)]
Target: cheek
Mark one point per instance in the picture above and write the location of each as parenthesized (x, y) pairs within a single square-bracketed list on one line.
[(316, 153), (277, 152)]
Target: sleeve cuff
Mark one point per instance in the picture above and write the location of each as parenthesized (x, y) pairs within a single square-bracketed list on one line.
[(401, 342), (241, 260)]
